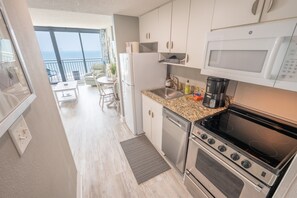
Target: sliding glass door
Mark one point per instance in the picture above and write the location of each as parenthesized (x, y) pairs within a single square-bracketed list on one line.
[(49, 56), (70, 53)]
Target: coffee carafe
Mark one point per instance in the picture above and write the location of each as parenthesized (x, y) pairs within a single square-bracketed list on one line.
[(215, 92)]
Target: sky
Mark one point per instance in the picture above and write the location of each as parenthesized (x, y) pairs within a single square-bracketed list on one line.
[(69, 41)]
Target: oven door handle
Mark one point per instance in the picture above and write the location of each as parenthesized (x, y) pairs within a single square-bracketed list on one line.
[(258, 188)]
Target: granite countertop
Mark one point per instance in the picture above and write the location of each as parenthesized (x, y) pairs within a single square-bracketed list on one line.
[(184, 106)]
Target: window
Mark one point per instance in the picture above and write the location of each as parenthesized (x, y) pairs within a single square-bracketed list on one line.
[(69, 51)]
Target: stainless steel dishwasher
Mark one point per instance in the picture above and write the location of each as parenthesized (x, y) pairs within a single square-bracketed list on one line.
[(175, 135)]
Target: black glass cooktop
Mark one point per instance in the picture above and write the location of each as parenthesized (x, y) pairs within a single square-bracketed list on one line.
[(268, 139)]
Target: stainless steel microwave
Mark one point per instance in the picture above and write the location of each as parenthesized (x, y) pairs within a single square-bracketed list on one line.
[(264, 54)]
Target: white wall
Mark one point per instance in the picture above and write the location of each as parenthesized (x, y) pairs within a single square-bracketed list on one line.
[(55, 18), (195, 78), (276, 102), (46, 169)]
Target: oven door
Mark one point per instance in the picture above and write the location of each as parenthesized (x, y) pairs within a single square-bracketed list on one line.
[(215, 177)]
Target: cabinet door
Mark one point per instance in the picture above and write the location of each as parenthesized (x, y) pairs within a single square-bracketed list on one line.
[(146, 117), (143, 28), (199, 25), (179, 27), (148, 24), (157, 120), (229, 13), (164, 27), (279, 9)]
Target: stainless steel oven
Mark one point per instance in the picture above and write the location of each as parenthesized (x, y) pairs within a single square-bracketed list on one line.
[(217, 177), (238, 153)]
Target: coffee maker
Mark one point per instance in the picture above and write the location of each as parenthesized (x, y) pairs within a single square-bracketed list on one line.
[(215, 92)]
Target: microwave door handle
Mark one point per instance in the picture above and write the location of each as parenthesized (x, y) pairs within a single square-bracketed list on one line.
[(270, 5), (255, 7), (273, 54)]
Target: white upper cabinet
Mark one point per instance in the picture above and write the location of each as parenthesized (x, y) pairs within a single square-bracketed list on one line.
[(179, 26), (173, 26), (148, 27), (228, 13), (199, 25), (164, 27), (279, 9)]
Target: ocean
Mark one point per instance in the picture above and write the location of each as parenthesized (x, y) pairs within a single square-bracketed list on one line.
[(50, 55)]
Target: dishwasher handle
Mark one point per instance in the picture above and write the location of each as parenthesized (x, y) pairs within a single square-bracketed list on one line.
[(173, 118), (174, 122)]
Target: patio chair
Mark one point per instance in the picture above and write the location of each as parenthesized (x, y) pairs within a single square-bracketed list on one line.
[(106, 93), (51, 74), (98, 70)]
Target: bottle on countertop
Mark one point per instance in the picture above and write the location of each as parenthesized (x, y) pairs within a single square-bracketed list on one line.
[(187, 87)]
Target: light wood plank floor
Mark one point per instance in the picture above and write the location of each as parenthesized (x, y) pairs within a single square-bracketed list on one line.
[(94, 137)]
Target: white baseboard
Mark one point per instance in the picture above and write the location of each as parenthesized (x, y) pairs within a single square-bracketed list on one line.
[(79, 186)]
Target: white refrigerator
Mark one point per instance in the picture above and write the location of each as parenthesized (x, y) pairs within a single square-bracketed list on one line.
[(139, 71)]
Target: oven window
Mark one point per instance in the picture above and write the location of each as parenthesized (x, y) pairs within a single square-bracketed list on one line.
[(225, 181), (242, 60)]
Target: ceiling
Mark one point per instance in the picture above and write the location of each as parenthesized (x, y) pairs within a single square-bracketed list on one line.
[(103, 7)]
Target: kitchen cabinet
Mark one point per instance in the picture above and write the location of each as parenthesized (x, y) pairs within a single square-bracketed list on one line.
[(199, 25), (279, 9), (179, 26), (229, 13), (148, 27), (173, 26), (152, 121), (164, 27)]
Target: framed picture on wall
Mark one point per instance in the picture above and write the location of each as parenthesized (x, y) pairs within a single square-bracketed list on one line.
[(16, 91)]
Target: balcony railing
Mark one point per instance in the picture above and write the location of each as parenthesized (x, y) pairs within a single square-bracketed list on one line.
[(72, 69)]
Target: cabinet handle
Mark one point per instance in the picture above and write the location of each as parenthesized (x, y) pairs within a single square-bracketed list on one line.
[(149, 112), (270, 5), (167, 43), (255, 7), (171, 45), (149, 34), (152, 114)]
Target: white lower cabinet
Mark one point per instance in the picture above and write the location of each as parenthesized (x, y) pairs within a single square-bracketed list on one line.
[(152, 121)]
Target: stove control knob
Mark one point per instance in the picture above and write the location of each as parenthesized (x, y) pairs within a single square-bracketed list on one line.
[(204, 136), (246, 164), (211, 141), (235, 156), (222, 148)]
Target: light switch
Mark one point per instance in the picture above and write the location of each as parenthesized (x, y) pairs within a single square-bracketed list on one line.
[(20, 135)]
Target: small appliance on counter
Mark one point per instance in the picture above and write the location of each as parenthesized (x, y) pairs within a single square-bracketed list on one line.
[(215, 93)]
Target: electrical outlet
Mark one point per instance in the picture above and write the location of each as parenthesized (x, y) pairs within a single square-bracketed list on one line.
[(20, 135)]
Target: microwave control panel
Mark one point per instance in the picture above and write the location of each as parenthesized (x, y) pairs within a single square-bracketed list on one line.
[(288, 70)]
